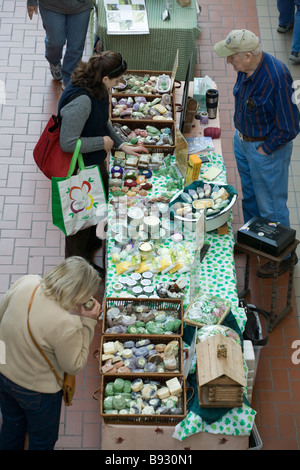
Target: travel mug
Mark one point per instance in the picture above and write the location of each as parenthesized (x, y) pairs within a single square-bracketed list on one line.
[(212, 98)]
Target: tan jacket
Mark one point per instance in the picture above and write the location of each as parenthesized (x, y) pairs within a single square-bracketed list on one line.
[(64, 338)]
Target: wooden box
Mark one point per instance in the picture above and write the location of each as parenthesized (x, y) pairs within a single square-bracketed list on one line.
[(173, 307), (158, 343), (141, 416), (220, 372)]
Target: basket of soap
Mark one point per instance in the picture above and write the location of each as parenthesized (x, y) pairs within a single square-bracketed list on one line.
[(131, 107), (216, 199), (136, 355), (206, 309), (136, 316), (143, 400), (145, 82), (158, 134)]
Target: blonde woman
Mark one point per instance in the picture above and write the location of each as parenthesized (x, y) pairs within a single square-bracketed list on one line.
[(30, 396)]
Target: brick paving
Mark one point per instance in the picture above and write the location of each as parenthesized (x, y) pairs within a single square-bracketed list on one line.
[(30, 244)]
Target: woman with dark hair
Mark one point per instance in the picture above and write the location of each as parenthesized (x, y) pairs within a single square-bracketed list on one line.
[(87, 117)]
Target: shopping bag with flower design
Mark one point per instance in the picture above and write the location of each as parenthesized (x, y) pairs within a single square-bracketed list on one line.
[(78, 200)]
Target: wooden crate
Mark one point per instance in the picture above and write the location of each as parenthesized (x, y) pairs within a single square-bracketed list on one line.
[(143, 73), (137, 124), (169, 305), (149, 99), (144, 419), (153, 340)]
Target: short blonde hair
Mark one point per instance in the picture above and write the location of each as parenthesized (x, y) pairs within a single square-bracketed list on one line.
[(72, 282)]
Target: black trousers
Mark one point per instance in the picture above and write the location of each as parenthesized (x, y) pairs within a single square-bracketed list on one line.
[(84, 242)]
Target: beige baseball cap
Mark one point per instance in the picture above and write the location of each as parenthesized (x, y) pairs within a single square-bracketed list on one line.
[(238, 40)]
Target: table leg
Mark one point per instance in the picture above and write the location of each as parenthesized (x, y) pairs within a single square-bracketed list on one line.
[(276, 319), (246, 290)]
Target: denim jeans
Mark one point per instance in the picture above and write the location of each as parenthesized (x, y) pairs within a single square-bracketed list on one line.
[(25, 411), (287, 15), (64, 29), (264, 180)]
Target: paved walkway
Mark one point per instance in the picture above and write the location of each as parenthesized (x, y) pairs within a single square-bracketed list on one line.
[(30, 244)]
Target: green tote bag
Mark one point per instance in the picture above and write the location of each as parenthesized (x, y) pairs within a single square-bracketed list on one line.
[(78, 200)]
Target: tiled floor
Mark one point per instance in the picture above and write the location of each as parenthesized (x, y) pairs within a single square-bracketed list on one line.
[(30, 244)]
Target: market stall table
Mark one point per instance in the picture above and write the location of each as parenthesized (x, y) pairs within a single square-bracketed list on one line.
[(157, 50), (216, 275)]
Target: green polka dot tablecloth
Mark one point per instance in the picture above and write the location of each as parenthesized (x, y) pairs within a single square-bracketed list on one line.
[(215, 275)]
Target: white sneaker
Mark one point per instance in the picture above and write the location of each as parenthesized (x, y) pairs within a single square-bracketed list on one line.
[(56, 72)]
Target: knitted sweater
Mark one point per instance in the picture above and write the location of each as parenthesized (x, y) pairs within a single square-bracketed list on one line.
[(64, 338), (63, 6)]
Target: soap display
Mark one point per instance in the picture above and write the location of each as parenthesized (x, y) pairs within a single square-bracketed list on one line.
[(142, 400), (207, 331), (206, 309), (140, 83), (142, 316), (216, 199), (140, 107), (150, 355), (148, 135)]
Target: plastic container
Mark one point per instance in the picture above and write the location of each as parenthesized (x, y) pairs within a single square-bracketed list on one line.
[(255, 442)]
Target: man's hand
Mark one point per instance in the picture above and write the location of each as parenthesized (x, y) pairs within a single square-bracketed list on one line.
[(31, 10), (260, 150)]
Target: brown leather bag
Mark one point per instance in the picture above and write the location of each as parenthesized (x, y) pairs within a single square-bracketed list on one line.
[(69, 381)]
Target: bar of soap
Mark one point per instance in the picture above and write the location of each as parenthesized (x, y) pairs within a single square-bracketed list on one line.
[(163, 392), (174, 386), (109, 347), (212, 173)]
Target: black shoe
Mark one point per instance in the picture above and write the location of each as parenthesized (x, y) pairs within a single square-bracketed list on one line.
[(284, 28), (101, 271), (267, 270)]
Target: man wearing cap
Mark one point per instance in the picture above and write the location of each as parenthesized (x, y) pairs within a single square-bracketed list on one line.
[(266, 121)]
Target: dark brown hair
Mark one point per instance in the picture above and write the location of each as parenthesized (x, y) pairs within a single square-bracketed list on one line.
[(90, 74)]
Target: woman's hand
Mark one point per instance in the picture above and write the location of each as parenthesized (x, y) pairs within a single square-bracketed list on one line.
[(108, 143), (134, 150), (93, 314), (31, 10)]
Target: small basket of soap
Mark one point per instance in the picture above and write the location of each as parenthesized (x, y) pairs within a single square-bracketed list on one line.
[(136, 355), (216, 199), (141, 400), (206, 309), (136, 316)]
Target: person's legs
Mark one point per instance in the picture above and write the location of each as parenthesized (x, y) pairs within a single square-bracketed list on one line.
[(24, 411), (14, 425), (286, 9), (43, 422), (270, 182), (296, 32), (76, 31), (243, 160), (55, 28)]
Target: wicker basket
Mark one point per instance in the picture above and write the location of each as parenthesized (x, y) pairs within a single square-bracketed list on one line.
[(142, 73), (148, 121), (154, 340), (198, 323), (143, 419), (141, 124), (170, 305)]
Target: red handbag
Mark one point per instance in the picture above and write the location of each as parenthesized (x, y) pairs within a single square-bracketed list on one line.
[(47, 154)]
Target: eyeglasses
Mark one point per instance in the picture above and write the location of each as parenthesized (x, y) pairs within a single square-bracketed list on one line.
[(121, 68)]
